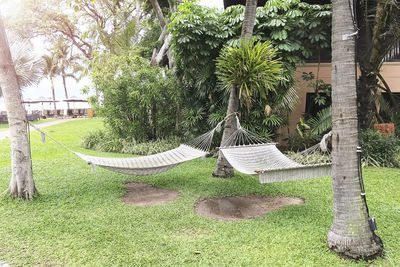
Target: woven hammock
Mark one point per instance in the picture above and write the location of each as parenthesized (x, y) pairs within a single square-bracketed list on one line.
[(146, 165), (269, 164), (250, 154), (152, 164)]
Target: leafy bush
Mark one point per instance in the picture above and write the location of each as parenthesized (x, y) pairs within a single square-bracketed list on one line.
[(380, 150), (396, 121), (199, 33), (107, 142), (137, 101)]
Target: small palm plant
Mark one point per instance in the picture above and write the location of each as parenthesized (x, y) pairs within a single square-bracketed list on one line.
[(252, 66)]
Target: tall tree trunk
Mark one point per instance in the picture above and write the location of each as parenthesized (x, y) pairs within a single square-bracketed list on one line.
[(350, 234), (224, 169), (21, 184), (65, 91), (54, 96), (159, 14)]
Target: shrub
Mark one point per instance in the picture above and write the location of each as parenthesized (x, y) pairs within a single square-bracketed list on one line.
[(396, 121), (107, 142), (136, 100), (380, 150)]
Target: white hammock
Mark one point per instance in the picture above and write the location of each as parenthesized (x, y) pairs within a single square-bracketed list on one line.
[(146, 165), (248, 153), (269, 164), (152, 164)]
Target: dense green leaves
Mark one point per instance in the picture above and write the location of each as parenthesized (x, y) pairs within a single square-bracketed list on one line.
[(380, 150), (137, 101), (251, 67), (199, 33)]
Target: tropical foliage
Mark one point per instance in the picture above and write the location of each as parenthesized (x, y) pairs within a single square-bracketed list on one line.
[(28, 65), (252, 67), (199, 33), (380, 150), (137, 101)]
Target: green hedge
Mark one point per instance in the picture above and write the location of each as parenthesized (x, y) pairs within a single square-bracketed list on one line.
[(380, 150), (107, 142)]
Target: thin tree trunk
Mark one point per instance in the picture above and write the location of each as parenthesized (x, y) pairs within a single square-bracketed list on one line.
[(163, 50), (350, 235), (159, 14), (54, 96), (249, 19), (164, 37), (21, 184), (65, 91), (367, 89), (224, 169)]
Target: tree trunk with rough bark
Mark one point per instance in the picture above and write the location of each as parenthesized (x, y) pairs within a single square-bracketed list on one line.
[(21, 184), (224, 169), (350, 235)]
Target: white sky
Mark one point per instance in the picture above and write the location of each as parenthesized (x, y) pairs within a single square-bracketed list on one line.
[(43, 89)]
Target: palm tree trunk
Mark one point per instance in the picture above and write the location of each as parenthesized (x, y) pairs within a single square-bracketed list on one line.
[(54, 96), (224, 169), (21, 184), (350, 235), (65, 91)]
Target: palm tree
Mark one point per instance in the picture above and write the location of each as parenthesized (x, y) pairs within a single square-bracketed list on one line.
[(350, 234), (21, 183), (28, 66), (66, 64), (51, 70), (224, 169)]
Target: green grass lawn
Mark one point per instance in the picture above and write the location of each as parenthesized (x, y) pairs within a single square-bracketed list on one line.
[(4, 126), (79, 218)]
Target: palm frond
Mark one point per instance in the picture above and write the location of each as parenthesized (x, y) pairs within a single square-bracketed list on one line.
[(28, 66), (322, 122)]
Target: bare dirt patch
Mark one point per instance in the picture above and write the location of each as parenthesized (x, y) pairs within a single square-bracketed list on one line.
[(141, 194), (237, 208)]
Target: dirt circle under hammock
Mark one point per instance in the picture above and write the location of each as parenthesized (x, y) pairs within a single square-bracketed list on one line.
[(235, 208), (142, 194)]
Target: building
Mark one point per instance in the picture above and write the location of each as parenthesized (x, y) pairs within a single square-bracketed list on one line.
[(390, 72), (43, 107)]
